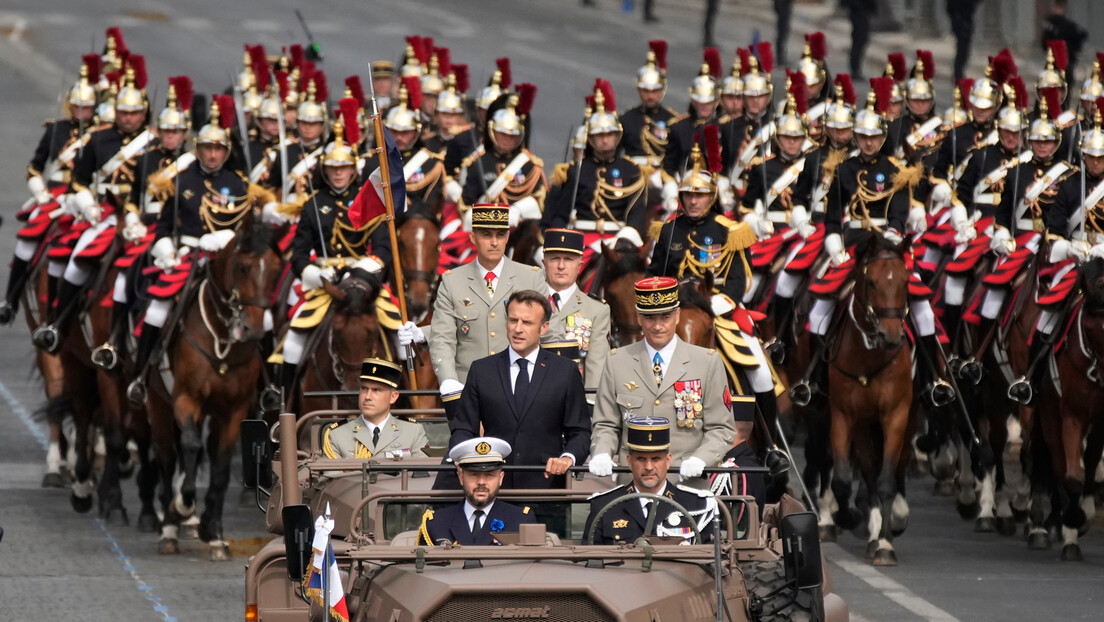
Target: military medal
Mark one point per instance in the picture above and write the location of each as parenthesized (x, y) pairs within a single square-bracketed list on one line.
[(325, 209), (464, 328), (879, 182), (617, 181), (688, 403)]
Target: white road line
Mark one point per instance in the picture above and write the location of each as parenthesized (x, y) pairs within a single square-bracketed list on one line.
[(893, 591), (37, 429)]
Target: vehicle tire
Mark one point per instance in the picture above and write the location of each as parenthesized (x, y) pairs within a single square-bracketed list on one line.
[(763, 577)]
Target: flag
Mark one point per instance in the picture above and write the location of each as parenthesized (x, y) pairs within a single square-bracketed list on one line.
[(368, 204), (323, 576)]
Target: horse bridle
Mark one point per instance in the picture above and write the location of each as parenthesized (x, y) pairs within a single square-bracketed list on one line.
[(871, 313), (233, 302)]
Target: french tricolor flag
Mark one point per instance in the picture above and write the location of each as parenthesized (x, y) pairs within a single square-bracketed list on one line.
[(368, 204), (323, 583)]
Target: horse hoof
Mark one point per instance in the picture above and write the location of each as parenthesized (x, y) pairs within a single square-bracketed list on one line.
[(80, 504), (168, 546), (189, 532), (827, 533), (120, 511), (54, 480), (885, 557), (1006, 526), (944, 488), (845, 520), (1038, 541), (1072, 553), (871, 550), (147, 523), (968, 510), (220, 552), (985, 524)]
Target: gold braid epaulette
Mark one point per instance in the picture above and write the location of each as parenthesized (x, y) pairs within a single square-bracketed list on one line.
[(295, 207), (740, 234), (655, 229), (559, 173), (907, 177), (423, 530), (327, 446)]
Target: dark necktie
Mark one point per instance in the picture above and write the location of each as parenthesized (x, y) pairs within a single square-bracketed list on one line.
[(555, 298), (647, 508), (375, 437), (477, 524), (521, 384)]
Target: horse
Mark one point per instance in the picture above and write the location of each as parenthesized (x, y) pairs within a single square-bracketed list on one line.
[(215, 361), (524, 242), (615, 280), (695, 325), (870, 395), (419, 254)]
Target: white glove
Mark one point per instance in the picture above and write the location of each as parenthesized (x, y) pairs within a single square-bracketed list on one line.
[(940, 197), (134, 229), (524, 209), (892, 235), (725, 194), (37, 186), (164, 254), (273, 216), (1002, 242), (917, 220), (453, 190), (410, 333), (762, 227), (626, 233), (311, 277), (370, 264), (655, 180), (216, 240), (601, 465), (82, 205), (801, 221), (154, 207), (450, 387), (833, 245), (963, 225), (1097, 251), (1061, 250), (669, 196), (691, 467)]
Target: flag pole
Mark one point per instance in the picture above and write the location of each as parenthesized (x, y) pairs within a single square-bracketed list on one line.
[(389, 203)]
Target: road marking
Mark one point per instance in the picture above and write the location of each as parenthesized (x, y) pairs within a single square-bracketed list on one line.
[(894, 591), (38, 431)]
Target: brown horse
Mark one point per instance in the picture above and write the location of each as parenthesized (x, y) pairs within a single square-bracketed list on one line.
[(614, 278), (870, 394), (695, 325), (419, 238), (216, 362)]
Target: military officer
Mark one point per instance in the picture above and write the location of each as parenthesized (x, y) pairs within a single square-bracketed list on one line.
[(469, 315), (905, 133), (578, 317), (983, 102), (304, 150), (470, 142), (749, 139), (375, 434), (423, 168), (703, 113), (477, 519), (647, 125), (662, 375), (648, 440)]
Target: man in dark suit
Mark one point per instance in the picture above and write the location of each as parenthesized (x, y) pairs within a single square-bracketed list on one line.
[(477, 519), (528, 397), (649, 444)]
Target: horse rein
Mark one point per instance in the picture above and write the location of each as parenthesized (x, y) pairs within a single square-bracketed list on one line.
[(871, 313)]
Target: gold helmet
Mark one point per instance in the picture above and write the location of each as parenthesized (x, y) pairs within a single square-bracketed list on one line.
[(733, 84), (105, 110), (245, 77), (338, 152), (175, 115), (703, 89), (506, 120), (412, 66), (313, 108), (289, 88), (405, 116), (449, 101), (986, 93), (132, 93), (653, 75), (1013, 117), (792, 122), (920, 85), (957, 114), (896, 68), (251, 100), (1092, 87), (1044, 127), (1092, 143), (601, 120), (1053, 75), (757, 79), (870, 121), (841, 112), (432, 84), (699, 179), (812, 59), (115, 51), (500, 81), (83, 93), (217, 130), (272, 106)]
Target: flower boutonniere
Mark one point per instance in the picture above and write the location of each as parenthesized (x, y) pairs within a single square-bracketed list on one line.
[(497, 526)]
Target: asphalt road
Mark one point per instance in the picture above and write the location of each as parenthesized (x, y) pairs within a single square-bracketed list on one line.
[(58, 564)]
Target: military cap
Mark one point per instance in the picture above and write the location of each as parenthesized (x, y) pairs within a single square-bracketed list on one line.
[(648, 434), (383, 69), (490, 216), (565, 240), (656, 294), (484, 453), (378, 370), (568, 348)]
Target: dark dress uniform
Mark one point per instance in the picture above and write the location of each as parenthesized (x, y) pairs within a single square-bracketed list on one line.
[(451, 524), (57, 135), (980, 169), (625, 522), (147, 165), (296, 151), (482, 172), (1038, 217), (1068, 201), (646, 133), (328, 211), (760, 182), (101, 147), (684, 243), (957, 145), (681, 141), (811, 189), (612, 191), (884, 204), (460, 147), (204, 202), (898, 131)]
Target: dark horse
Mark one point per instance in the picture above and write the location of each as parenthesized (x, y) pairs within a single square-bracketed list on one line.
[(870, 394), (216, 362), (613, 278)]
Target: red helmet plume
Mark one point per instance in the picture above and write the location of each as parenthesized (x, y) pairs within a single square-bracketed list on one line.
[(503, 65), (765, 53), (610, 98), (444, 61), (283, 83), (427, 51), (1018, 85), (295, 54), (1004, 66), (93, 64), (713, 59), (1061, 53), (137, 62), (527, 94), (843, 80), (659, 48), (800, 90), (463, 80), (883, 92), (744, 55), (898, 64), (258, 63), (116, 33), (227, 112), (356, 89), (965, 85), (349, 107), (1053, 100), (818, 45), (413, 92), (713, 147), (925, 57), (321, 88), (182, 85)]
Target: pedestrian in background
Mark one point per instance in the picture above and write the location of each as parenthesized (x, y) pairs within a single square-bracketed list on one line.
[(783, 9), (711, 7), (627, 7), (961, 14), (859, 12), (1060, 27)]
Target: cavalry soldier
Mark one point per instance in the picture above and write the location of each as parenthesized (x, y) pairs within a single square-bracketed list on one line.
[(203, 206), (383, 83), (608, 191), (817, 175), (326, 241), (48, 174), (581, 319), (449, 115), (906, 132), (105, 166), (469, 319), (983, 99), (423, 168), (647, 126), (1053, 76), (375, 434), (304, 149), (689, 131), (471, 143), (663, 375), (506, 172), (732, 88), (818, 79), (264, 143), (480, 516), (754, 132), (648, 441)]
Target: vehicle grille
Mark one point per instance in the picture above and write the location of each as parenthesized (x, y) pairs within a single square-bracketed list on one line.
[(564, 607)]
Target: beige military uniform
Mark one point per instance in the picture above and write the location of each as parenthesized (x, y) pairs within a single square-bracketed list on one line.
[(586, 321), (354, 440), (467, 323), (628, 389)]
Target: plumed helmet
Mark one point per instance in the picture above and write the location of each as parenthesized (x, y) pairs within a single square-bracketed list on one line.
[(449, 100), (405, 116), (871, 121), (602, 120), (217, 131), (338, 152), (653, 74), (1053, 74), (921, 85), (1044, 128), (83, 93), (812, 59), (311, 110), (175, 115), (132, 93), (1092, 143)]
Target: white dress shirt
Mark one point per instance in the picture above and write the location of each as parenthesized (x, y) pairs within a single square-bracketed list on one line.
[(565, 295), (667, 353), (515, 368), (469, 513), (655, 504), (497, 272), (372, 427)]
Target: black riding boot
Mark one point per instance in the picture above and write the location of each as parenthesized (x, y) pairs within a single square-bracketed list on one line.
[(803, 392), (17, 280), (147, 343), (783, 330), (50, 337), (1023, 390)]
